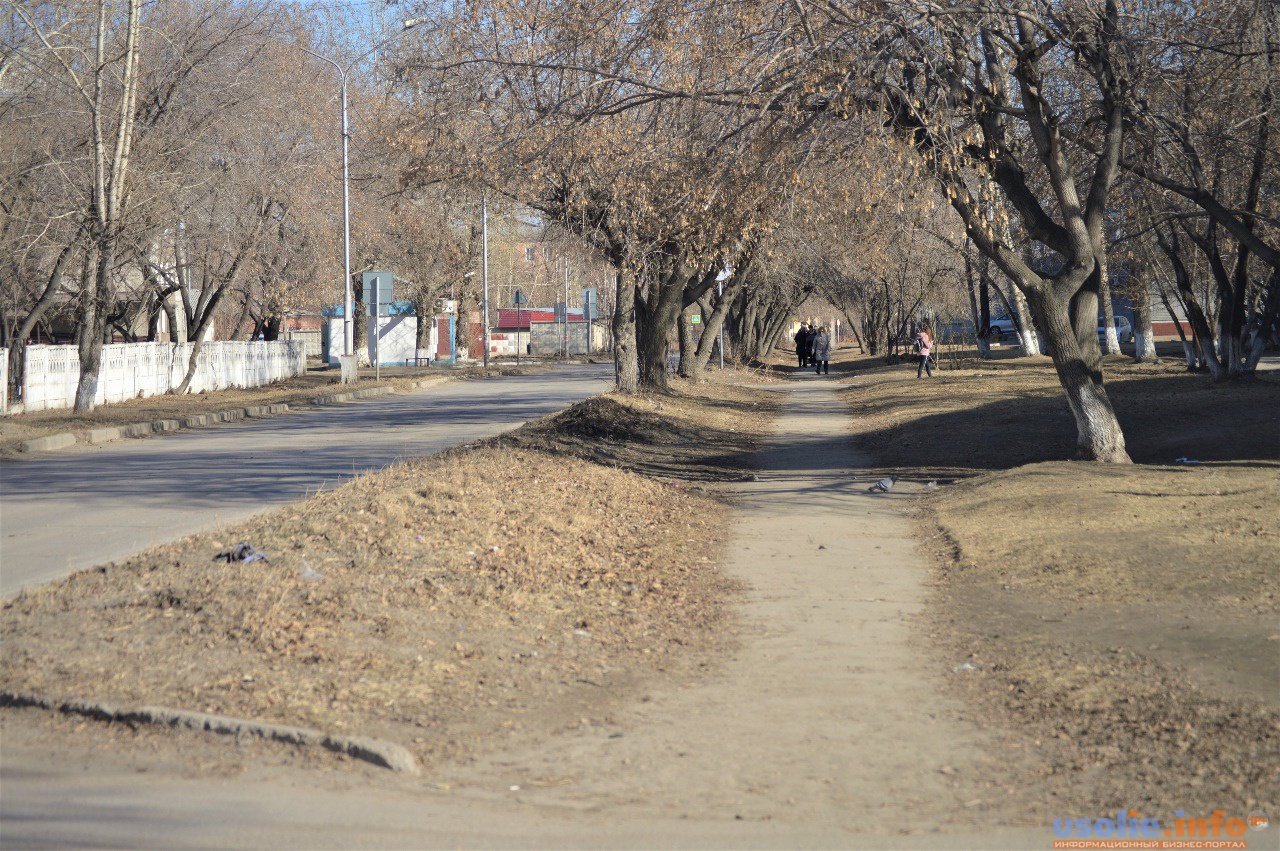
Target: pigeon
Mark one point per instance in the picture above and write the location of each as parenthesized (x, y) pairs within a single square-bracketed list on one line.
[(883, 485)]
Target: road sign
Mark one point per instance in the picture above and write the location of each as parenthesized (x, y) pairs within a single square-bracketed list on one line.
[(377, 293), (590, 305), (519, 298), (696, 319)]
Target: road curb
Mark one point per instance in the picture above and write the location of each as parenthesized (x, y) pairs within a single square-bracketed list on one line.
[(374, 751), (108, 434)]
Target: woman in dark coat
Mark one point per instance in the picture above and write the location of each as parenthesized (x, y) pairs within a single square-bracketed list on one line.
[(802, 345)]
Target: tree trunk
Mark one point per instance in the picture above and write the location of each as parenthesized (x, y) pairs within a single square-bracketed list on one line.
[(1098, 433), (18, 341), (1028, 339), (689, 366), (1188, 349), (192, 362), (1265, 323), (467, 287), (626, 366), (713, 321), (1200, 327), (109, 195), (360, 328), (654, 323), (1144, 340), (94, 310), (979, 303), (1111, 342), (420, 312)]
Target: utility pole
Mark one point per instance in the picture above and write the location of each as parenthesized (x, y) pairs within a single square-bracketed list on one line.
[(566, 309), (348, 324)]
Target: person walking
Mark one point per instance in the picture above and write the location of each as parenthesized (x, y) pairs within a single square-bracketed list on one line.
[(822, 352), (802, 343), (924, 345)]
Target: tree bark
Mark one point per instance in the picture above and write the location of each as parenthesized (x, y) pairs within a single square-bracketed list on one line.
[(1111, 342), (714, 321), (1200, 328), (360, 327), (689, 367), (94, 309), (1099, 437), (1266, 322), (626, 365), (109, 198), (1144, 340)]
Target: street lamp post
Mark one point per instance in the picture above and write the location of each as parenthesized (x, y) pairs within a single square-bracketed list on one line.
[(348, 324)]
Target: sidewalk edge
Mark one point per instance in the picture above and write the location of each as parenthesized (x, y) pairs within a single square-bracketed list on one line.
[(374, 751), (109, 434)]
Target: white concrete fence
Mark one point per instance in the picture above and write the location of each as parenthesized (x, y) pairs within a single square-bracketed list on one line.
[(132, 370)]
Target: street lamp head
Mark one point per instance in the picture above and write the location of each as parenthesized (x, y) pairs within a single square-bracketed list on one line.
[(410, 23)]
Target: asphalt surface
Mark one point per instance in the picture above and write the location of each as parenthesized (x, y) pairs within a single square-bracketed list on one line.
[(65, 511)]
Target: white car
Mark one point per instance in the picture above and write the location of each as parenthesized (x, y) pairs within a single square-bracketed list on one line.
[(1003, 328), (1123, 329)]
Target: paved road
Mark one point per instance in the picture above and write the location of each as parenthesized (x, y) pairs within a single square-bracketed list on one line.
[(63, 512)]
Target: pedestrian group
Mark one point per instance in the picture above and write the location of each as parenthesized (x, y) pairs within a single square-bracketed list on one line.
[(813, 348)]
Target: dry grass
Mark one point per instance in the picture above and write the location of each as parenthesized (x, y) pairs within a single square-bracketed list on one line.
[(444, 603), (1122, 618)]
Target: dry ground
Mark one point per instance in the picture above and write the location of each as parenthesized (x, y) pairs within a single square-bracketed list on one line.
[(1122, 619), (1119, 624), (447, 604)]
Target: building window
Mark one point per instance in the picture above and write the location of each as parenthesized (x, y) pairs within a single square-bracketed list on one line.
[(529, 252)]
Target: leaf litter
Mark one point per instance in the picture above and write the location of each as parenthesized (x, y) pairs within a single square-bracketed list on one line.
[(447, 603)]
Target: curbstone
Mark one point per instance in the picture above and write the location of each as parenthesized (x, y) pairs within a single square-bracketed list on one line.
[(104, 435), (45, 444), (108, 434), (374, 751)]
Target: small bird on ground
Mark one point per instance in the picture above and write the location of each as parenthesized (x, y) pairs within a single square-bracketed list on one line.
[(931, 486), (883, 485)]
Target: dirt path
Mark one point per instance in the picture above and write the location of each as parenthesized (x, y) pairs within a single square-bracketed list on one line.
[(825, 727), (824, 718)]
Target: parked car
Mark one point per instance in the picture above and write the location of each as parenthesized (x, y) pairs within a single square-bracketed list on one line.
[(1123, 329), (1003, 328)]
